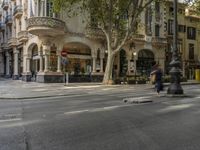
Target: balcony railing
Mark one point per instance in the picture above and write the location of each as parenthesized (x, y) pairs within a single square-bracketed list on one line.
[(46, 26), (22, 36), (5, 4), (8, 20), (18, 12), (94, 33), (12, 42)]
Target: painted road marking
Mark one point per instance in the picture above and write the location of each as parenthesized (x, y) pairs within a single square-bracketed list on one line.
[(10, 120)]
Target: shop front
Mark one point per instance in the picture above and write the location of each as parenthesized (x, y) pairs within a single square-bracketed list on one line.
[(78, 62)]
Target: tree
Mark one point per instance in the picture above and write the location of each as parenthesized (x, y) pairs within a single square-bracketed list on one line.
[(118, 20), (193, 5)]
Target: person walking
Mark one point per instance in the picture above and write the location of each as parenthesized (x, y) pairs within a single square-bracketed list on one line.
[(158, 81), (157, 73)]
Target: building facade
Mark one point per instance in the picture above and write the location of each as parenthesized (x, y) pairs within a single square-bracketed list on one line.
[(34, 41)]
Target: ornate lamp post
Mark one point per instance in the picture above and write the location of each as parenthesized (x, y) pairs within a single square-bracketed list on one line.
[(175, 72)]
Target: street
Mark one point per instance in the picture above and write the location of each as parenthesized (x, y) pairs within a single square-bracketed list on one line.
[(100, 120)]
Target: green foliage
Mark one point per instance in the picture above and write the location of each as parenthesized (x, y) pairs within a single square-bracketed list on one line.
[(193, 5), (116, 17)]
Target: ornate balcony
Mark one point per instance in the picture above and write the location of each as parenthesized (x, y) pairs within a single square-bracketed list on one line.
[(8, 20), (5, 5), (18, 12), (46, 26), (138, 37), (12, 42), (158, 41), (2, 27), (94, 33), (23, 36)]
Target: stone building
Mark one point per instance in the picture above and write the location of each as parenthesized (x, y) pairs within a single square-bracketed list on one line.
[(33, 40)]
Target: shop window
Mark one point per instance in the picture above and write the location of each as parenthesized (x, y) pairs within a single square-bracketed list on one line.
[(53, 59)]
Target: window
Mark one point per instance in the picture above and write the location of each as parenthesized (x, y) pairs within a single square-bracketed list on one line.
[(148, 20), (157, 7), (171, 11), (49, 9), (157, 30), (170, 27), (191, 33), (181, 28), (191, 51)]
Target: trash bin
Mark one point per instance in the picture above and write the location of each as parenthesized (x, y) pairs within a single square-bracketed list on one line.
[(197, 74)]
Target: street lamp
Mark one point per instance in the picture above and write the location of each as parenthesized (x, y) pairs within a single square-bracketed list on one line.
[(133, 59), (175, 72)]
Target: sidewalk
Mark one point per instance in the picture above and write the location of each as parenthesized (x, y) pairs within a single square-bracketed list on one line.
[(17, 89)]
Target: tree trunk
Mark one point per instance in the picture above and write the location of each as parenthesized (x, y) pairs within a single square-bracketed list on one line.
[(108, 72)]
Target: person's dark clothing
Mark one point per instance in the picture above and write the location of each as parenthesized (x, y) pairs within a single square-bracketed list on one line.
[(158, 81)]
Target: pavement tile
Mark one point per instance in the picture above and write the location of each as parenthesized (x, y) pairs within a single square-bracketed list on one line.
[(17, 89)]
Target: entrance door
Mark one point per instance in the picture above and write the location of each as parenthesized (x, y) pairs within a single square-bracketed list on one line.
[(145, 62)]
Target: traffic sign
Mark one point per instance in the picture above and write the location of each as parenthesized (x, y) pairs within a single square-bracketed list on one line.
[(64, 61), (64, 53)]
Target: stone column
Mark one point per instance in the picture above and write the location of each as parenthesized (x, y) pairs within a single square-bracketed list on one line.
[(28, 64), (46, 60), (59, 62), (94, 65), (38, 8), (41, 63), (45, 8), (46, 49), (16, 63), (42, 9), (7, 64)]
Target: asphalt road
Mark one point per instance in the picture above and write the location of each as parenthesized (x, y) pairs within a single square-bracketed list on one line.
[(100, 120)]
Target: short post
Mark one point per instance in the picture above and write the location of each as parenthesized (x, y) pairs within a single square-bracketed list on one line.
[(66, 78)]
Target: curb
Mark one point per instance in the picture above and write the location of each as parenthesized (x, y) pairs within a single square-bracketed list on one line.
[(34, 97)]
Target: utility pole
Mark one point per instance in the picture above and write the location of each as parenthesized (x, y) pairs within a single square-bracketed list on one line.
[(175, 72)]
